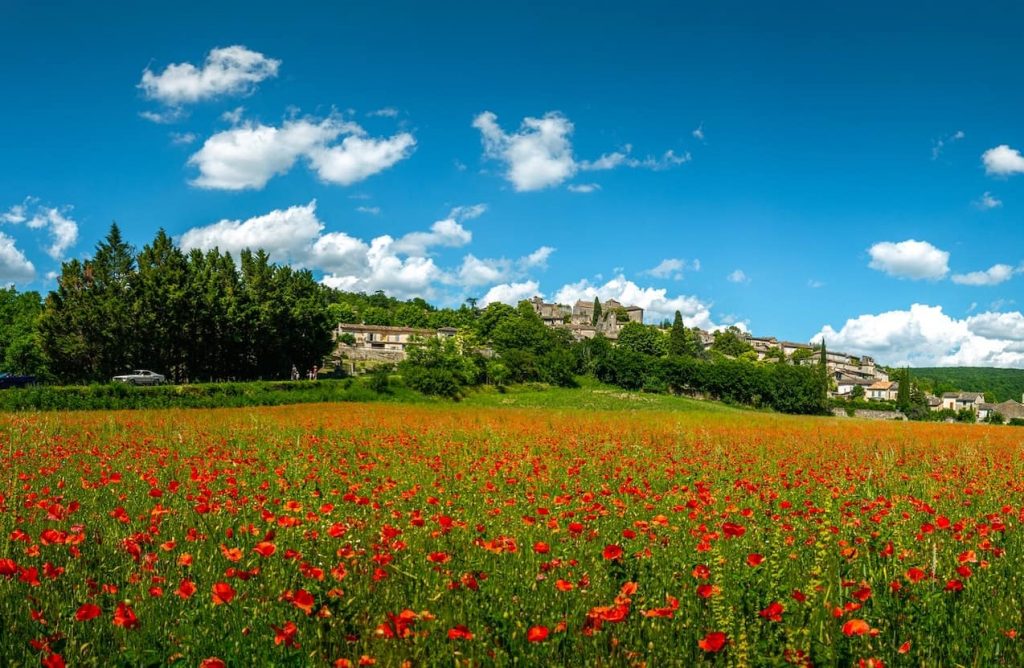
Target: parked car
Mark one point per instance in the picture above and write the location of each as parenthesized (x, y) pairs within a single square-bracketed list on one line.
[(141, 377), (8, 380)]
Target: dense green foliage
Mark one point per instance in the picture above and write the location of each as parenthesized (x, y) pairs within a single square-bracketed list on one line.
[(1002, 384), (114, 396), (20, 350), (190, 316)]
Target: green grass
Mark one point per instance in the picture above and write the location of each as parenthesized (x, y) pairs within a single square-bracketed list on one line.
[(590, 395)]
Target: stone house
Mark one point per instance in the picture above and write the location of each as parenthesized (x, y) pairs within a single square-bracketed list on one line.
[(956, 401), (381, 342), (882, 390)]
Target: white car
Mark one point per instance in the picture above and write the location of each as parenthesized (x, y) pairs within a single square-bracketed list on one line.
[(141, 377)]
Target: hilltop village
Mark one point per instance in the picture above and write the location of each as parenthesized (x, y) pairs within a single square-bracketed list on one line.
[(852, 377)]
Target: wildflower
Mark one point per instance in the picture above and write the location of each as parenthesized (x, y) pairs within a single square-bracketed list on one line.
[(712, 642)]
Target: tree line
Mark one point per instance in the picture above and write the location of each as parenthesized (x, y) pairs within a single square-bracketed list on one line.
[(190, 315)]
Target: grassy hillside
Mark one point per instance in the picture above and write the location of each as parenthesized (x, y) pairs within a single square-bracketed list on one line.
[(1003, 384)]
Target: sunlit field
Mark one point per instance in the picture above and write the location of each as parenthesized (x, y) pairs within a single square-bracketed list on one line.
[(366, 534)]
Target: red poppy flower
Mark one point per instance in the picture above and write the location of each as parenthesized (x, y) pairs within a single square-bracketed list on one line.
[(125, 617), (612, 552), (541, 548), (916, 574), (712, 642), (265, 549), (88, 611), (304, 601), (856, 627), (53, 661), (285, 635), (537, 634), (754, 559), (212, 662), (460, 632), (773, 612), (439, 557), (185, 589), (222, 593)]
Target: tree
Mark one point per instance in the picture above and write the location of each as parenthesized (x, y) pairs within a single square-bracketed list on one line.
[(643, 339), (596, 317), (730, 342), (857, 392), (679, 337), (20, 349), (903, 391)]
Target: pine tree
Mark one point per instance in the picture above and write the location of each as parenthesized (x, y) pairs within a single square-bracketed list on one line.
[(678, 337), (597, 312)]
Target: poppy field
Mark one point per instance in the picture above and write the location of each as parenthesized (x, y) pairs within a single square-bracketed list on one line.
[(371, 534)]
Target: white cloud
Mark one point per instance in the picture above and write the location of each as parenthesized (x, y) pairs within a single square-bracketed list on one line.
[(698, 133), (487, 271), (511, 293), (17, 213), (656, 302), (583, 188), (14, 266), (669, 267), (402, 266), (538, 258), (250, 154), (539, 154), (606, 161), (738, 276), (994, 275), (813, 283), (468, 212), (1003, 161), (1009, 326), (227, 70), (286, 234), (62, 229), (386, 112), (234, 116), (358, 157), (925, 336), (909, 259), (939, 144), (988, 201), (371, 210)]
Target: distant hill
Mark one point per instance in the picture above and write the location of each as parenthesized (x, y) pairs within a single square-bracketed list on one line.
[(1003, 384)]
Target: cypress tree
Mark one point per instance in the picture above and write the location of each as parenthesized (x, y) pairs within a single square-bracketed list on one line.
[(597, 312)]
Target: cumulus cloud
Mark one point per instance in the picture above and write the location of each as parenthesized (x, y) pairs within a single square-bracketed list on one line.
[(909, 259), (656, 302), (925, 336), (667, 268), (250, 154), (988, 201), (738, 276), (477, 272), (227, 71), (14, 266), (57, 222), (994, 275), (539, 154), (511, 293), (402, 266), (1002, 161)]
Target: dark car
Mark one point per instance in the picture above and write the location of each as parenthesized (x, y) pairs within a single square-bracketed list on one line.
[(9, 380)]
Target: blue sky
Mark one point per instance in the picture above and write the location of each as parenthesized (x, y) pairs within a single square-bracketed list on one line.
[(767, 164)]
